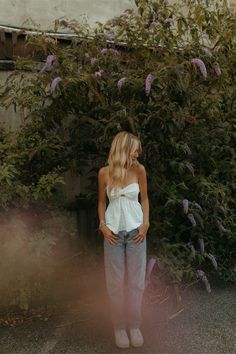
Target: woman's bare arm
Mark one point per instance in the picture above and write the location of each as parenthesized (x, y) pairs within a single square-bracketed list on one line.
[(144, 194), (142, 179), (101, 195), (102, 207)]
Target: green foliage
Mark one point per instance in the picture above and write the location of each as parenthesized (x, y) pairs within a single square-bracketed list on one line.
[(186, 124), (28, 171)]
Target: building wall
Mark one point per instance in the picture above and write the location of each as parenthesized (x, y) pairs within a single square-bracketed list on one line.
[(9, 118), (44, 12)]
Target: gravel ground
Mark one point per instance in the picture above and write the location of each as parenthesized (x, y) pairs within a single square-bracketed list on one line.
[(207, 325)]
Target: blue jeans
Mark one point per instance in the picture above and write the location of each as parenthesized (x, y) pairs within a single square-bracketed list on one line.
[(125, 261)]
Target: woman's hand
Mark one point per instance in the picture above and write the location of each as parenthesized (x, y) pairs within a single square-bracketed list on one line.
[(108, 235), (142, 233)]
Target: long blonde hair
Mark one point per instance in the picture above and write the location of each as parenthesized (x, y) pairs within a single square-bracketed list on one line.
[(119, 159)]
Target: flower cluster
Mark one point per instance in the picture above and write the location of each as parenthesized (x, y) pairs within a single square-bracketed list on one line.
[(55, 83), (150, 265), (201, 275), (148, 84), (112, 51), (49, 63), (121, 82), (93, 61), (201, 65), (99, 73)]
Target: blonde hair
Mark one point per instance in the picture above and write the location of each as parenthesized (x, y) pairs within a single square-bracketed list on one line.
[(119, 159)]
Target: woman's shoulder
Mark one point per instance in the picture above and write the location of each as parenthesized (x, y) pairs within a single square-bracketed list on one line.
[(140, 168), (103, 171)]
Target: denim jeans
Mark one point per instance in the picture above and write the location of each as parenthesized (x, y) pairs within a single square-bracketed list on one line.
[(125, 260)]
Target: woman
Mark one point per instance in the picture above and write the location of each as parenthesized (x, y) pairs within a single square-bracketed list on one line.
[(124, 225)]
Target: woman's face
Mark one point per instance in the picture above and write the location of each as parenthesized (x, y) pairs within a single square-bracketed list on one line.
[(135, 153)]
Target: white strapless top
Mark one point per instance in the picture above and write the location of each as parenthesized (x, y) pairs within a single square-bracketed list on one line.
[(124, 212)]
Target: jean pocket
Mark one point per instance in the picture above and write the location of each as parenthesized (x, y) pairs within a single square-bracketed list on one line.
[(134, 232)]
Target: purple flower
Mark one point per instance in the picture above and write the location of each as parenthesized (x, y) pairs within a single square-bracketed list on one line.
[(148, 83), (207, 52), (49, 62), (55, 83), (185, 205), (93, 61), (150, 265), (114, 52), (109, 36), (154, 23), (201, 275), (217, 68), (104, 50), (213, 260), (169, 20), (191, 246), (121, 82), (99, 73), (202, 245), (124, 14), (111, 51), (205, 36), (192, 220), (201, 65), (220, 226), (198, 206)]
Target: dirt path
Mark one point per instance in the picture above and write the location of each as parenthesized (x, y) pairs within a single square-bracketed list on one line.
[(207, 324)]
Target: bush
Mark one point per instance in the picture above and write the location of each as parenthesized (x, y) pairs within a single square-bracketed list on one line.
[(165, 73)]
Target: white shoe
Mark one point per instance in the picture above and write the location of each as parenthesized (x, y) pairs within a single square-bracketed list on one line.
[(121, 337), (136, 337)]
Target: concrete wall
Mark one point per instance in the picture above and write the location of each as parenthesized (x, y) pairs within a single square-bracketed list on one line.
[(44, 12), (9, 118)]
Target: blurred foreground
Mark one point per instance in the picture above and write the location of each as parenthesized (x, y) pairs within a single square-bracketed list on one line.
[(79, 320)]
